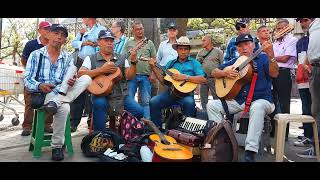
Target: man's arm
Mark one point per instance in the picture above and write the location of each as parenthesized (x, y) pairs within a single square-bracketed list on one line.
[(25, 54), (273, 65), (159, 76), (85, 69), (228, 49), (30, 73)]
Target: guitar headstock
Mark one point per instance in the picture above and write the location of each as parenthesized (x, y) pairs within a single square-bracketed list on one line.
[(283, 31)]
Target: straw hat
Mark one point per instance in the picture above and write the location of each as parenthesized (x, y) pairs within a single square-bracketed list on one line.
[(182, 41)]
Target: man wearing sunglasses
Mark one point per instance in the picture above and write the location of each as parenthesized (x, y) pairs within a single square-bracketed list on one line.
[(231, 50)]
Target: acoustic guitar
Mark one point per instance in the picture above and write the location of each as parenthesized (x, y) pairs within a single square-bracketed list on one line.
[(102, 84), (166, 148), (227, 88), (178, 88)]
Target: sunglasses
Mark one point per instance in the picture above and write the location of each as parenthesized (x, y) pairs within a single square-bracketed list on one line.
[(304, 20), (238, 26)]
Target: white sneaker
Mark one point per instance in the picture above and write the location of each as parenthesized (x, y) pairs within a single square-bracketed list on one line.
[(308, 153), (305, 142)]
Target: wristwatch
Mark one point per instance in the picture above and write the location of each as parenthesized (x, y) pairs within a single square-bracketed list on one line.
[(133, 62), (273, 59), (187, 79)]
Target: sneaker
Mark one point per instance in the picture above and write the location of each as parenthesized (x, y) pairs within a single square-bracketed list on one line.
[(51, 108), (303, 143), (301, 137), (25, 132), (308, 153), (57, 154)]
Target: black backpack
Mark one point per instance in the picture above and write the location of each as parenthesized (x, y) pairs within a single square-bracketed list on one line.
[(98, 142)]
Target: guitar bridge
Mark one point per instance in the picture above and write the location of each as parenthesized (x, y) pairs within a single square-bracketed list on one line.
[(224, 82)]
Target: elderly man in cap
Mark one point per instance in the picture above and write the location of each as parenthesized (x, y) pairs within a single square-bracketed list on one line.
[(86, 44), (107, 62), (57, 80), (42, 40), (231, 50), (262, 97), (190, 71), (165, 51)]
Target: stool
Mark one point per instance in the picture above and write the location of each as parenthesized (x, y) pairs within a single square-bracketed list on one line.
[(281, 121), (39, 139)]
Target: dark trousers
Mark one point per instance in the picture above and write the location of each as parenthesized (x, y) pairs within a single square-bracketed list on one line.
[(76, 109), (306, 110), (283, 85), (314, 78), (29, 113)]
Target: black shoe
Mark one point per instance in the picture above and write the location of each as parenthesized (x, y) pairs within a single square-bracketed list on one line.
[(51, 108), (57, 154), (25, 132), (73, 129), (48, 130), (249, 156)]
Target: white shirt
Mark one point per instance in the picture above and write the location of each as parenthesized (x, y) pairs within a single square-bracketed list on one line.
[(87, 63), (314, 42)]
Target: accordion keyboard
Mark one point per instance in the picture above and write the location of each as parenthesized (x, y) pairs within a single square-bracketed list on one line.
[(194, 125)]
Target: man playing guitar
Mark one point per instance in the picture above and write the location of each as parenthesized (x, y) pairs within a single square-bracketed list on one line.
[(190, 71), (108, 62), (262, 104)]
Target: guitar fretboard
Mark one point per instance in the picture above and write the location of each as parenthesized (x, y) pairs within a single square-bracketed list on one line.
[(254, 55)]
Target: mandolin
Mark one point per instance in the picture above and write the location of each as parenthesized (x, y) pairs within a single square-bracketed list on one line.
[(102, 85)]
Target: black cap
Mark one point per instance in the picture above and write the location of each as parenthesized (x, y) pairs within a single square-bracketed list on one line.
[(59, 27), (241, 22), (172, 25), (105, 34), (243, 38)]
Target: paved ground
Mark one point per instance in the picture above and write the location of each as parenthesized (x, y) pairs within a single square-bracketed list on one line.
[(14, 147)]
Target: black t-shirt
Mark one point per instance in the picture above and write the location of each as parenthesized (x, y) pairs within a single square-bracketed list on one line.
[(29, 47)]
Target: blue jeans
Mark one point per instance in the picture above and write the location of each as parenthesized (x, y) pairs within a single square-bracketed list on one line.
[(306, 110), (144, 85), (165, 100), (100, 110)]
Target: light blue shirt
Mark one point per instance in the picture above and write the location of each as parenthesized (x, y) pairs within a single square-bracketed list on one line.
[(49, 73), (90, 35), (166, 53), (118, 45)]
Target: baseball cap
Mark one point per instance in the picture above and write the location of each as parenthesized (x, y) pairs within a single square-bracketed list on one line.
[(243, 38), (44, 24), (59, 27), (105, 34)]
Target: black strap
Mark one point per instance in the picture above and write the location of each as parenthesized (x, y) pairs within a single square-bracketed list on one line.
[(39, 66), (207, 54), (226, 109)]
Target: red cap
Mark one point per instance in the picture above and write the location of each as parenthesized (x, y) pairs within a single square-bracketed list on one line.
[(44, 24)]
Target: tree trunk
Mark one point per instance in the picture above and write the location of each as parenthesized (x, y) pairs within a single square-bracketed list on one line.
[(182, 26)]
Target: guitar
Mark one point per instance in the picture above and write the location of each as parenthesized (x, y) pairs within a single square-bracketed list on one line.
[(178, 88), (166, 148), (102, 84), (227, 88)]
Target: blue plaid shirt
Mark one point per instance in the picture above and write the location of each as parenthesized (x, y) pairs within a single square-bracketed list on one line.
[(118, 45), (231, 51), (49, 73)]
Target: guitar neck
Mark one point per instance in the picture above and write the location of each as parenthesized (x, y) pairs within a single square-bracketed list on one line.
[(156, 130), (254, 55), (164, 69)]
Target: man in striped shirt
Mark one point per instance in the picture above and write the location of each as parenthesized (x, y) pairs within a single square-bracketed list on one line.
[(56, 79)]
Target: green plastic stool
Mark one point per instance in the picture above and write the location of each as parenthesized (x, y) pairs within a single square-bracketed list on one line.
[(39, 139)]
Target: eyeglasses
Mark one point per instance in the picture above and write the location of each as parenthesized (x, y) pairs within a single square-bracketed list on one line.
[(238, 26)]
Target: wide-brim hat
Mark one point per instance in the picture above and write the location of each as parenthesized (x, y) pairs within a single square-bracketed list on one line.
[(182, 41)]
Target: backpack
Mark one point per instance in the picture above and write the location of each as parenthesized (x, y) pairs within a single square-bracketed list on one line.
[(220, 144), (130, 127), (98, 142)]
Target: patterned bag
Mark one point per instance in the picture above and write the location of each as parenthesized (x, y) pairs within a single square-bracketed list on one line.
[(130, 126)]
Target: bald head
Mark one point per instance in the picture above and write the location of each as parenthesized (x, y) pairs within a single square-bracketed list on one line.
[(207, 42)]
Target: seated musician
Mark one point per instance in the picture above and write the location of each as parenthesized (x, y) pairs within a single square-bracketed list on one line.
[(190, 71), (262, 103), (104, 62)]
